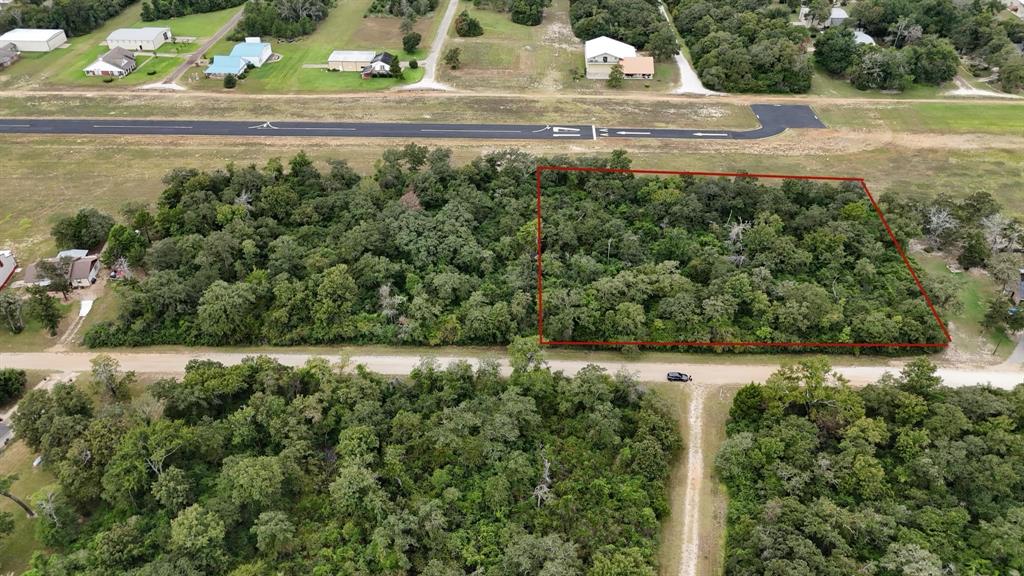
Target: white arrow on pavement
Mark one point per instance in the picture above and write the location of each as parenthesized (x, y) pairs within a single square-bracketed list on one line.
[(626, 133), (564, 129), (548, 127), (710, 134), (264, 126)]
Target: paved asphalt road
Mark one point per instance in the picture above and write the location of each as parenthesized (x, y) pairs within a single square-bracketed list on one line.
[(774, 118)]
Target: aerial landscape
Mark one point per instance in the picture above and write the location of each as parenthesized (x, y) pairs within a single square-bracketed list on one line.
[(512, 287)]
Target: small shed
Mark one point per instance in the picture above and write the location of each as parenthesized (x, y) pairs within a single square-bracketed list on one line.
[(141, 39), (224, 65), (34, 39), (350, 60), (8, 264)]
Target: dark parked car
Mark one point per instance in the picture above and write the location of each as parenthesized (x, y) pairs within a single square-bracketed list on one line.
[(678, 377)]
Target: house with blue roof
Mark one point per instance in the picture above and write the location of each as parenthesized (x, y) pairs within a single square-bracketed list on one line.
[(224, 65), (252, 51)]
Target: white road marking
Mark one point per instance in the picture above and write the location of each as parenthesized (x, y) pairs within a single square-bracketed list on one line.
[(593, 130), (15, 125), (566, 135), (564, 129), (470, 130), (314, 128), (265, 125), (710, 134), (627, 133), (141, 126), (548, 127)]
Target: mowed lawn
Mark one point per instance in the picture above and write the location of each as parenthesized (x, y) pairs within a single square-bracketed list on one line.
[(16, 548), (938, 117), (976, 289), (544, 58), (63, 66), (346, 28)]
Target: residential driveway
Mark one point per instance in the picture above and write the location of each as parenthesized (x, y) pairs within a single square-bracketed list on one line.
[(195, 56), (689, 81), (429, 64)]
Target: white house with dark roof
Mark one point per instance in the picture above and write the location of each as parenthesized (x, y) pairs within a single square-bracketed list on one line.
[(146, 39), (117, 63)]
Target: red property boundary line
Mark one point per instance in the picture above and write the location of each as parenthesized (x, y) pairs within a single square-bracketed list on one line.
[(860, 181)]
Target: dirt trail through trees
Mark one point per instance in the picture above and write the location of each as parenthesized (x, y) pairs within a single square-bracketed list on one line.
[(694, 481)]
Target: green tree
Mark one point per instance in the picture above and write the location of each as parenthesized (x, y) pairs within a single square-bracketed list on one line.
[(44, 308), (524, 354), (11, 310), (396, 69), (230, 81), (109, 381), (411, 41), (616, 76), (933, 60), (467, 26), (12, 384), (275, 533), (198, 534), (453, 57), (8, 480), (87, 229), (227, 313), (663, 43), (835, 49)]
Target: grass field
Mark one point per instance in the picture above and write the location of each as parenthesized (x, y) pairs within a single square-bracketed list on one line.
[(968, 333), (935, 117), (16, 548), (394, 107), (345, 28), (34, 337), (671, 538), (542, 58), (824, 84), (63, 67), (195, 25)]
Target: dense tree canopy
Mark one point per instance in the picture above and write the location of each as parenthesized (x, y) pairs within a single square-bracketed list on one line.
[(86, 229), (426, 252), (282, 18), (629, 21), (903, 478), (258, 468), (75, 17), (742, 47), (161, 9)]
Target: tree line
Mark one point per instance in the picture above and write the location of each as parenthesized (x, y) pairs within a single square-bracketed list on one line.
[(259, 468), (905, 477), (282, 18), (162, 9), (75, 17), (423, 252)]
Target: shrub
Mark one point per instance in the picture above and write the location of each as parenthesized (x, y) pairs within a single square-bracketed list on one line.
[(453, 57), (414, 64), (12, 385), (467, 26), (230, 81), (411, 41), (108, 80), (151, 73)]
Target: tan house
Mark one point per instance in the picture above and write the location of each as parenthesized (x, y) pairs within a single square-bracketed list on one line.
[(638, 67), (350, 60), (602, 53)]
